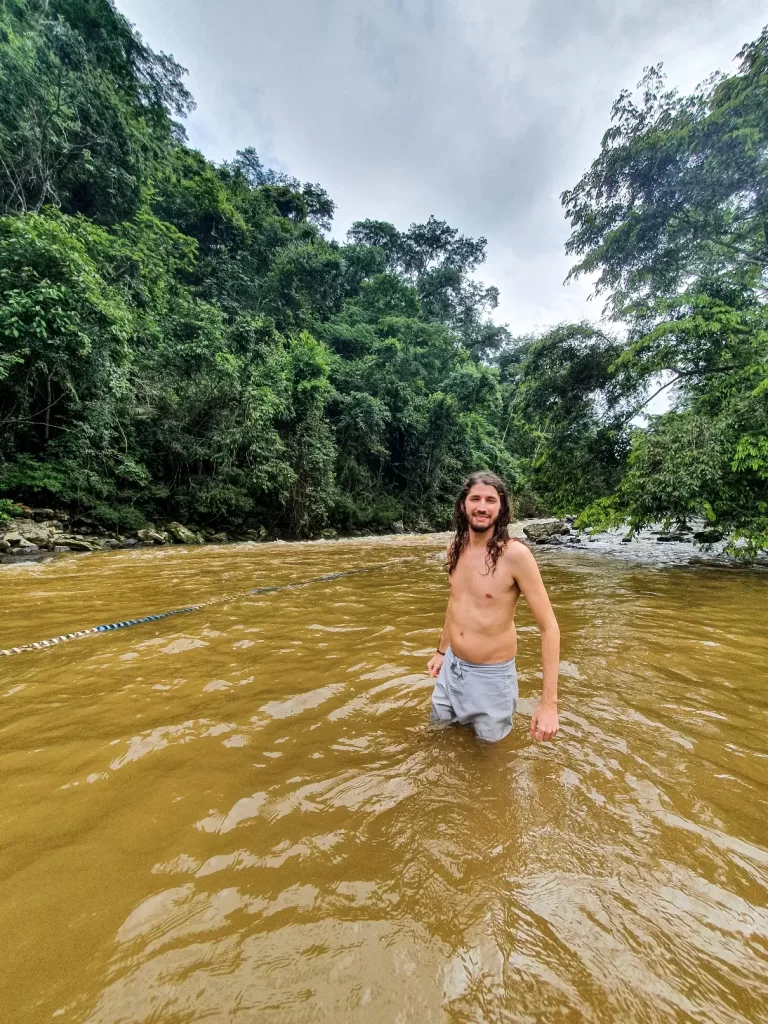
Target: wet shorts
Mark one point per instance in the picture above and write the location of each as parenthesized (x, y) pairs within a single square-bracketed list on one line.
[(483, 696)]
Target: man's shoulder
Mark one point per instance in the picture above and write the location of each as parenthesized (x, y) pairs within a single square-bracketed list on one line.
[(516, 553)]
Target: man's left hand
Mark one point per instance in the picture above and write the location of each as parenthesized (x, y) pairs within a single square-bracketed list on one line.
[(544, 724)]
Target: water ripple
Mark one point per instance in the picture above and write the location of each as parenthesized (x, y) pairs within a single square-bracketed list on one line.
[(250, 818)]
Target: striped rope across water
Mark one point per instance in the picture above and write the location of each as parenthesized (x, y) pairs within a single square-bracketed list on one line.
[(42, 644)]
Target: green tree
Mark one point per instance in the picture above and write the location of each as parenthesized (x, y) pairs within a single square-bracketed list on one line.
[(87, 108), (181, 340), (566, 414), (673, 219)]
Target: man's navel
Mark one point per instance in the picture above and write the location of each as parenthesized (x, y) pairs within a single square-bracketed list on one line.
[(489, 595)]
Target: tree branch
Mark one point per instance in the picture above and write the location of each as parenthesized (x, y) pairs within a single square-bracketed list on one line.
[(736, 250), (639, 408)]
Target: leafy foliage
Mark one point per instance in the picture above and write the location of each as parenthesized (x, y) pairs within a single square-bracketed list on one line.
[(566, 414), (8, 509), (184, 340), (673, 218)]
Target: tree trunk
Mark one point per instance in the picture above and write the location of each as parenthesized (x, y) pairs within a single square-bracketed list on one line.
[(48, 410)]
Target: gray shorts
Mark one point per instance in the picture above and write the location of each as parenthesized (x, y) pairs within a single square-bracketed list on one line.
[(483, 696)]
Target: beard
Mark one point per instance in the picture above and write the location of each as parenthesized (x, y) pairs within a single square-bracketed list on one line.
[(481, 525)]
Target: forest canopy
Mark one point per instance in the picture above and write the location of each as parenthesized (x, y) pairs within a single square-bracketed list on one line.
[(184, 340)]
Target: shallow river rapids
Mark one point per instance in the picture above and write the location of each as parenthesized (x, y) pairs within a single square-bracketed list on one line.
[(242, 815)]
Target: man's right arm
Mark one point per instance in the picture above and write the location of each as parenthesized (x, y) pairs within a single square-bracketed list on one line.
[(436, 661)]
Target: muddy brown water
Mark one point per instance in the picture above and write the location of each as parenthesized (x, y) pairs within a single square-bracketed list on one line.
[(242, 814)]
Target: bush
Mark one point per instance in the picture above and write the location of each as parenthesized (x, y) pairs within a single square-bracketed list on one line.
[(8, 509)]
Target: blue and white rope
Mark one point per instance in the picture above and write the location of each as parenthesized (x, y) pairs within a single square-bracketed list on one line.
[(43, 644)]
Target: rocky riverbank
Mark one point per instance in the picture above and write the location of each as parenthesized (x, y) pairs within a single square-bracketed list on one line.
[(42, 533), (694, 544)]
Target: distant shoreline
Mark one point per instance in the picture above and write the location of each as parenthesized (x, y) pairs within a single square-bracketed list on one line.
[(644, 550)]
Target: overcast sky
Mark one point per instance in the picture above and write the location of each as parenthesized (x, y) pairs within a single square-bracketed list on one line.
[(478, 111)]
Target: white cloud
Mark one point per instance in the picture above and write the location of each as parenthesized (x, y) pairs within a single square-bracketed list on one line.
[(479, 111)]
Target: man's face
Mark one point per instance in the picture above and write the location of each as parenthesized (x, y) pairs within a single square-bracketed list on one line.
[(482, 506)]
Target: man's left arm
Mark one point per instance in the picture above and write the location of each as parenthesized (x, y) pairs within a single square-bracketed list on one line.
[(544, 724)]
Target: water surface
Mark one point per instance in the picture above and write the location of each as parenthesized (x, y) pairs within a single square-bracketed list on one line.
[(242, 814)]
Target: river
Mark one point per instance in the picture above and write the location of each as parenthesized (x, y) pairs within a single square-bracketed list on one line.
[(241, 814)]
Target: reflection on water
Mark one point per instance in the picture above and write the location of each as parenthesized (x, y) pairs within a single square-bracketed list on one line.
[(243, 815)]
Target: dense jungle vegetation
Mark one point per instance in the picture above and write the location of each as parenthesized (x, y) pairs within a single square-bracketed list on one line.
[(181, 340)]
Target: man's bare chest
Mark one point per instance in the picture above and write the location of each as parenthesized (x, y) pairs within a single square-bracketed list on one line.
[(474, 580)]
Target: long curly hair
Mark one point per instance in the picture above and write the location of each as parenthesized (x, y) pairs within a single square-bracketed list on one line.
[(499, 534)]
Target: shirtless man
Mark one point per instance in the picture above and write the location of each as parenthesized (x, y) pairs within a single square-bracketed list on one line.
[(474, 663)]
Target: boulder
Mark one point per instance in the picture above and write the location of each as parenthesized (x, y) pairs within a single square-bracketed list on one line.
[(546, 530), (40, 515), (257, 535), (218, 538), (35, 533), (560, 538), (183, 535), (90, 526), (398, 527), (710, 536), (18, 543), (329, 534), (151, 536), (672, 536), (73, 543), (20, 525)]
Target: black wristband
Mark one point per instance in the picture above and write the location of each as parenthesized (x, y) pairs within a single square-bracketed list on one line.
[(438, 651)]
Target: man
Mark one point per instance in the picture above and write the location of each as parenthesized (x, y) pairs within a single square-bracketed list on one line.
[(474, 663)]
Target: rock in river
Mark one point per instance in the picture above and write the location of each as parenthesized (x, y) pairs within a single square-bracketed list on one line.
[(34, 533), (65, 543), (183, 535), (20, 544), (710, 536), (546, 531), (152, 536)]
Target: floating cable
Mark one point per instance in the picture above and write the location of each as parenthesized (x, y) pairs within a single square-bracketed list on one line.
[(328, 577)]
